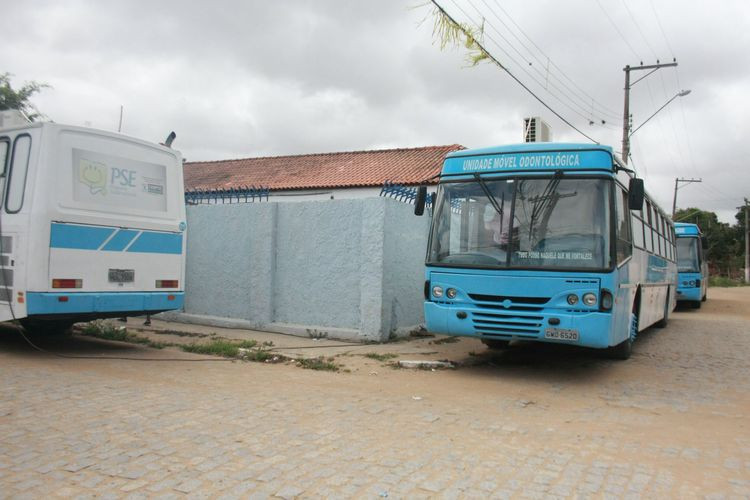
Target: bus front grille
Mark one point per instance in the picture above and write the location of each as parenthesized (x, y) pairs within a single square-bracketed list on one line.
[(508, 303), (512, 324)]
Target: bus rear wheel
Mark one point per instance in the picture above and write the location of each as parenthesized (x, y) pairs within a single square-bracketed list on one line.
[(47, 326)]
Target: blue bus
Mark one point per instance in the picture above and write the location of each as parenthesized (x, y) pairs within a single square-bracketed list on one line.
[(691, 265), (547, 242)]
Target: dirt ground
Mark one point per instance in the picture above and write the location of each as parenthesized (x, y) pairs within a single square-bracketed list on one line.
[(531, 421)]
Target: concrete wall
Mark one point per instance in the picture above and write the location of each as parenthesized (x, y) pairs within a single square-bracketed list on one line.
[(350, 269)]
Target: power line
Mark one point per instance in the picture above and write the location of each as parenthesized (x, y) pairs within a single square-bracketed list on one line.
[(661, 28), (609, 110), (522, 67), (443, 12), (614, 25), (638, 27), (578, 92)]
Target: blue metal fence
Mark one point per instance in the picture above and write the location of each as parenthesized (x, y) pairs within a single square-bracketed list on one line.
[(230, 195), (401, 193)]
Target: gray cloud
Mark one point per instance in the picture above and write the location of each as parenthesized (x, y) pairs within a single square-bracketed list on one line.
[(250, 78)]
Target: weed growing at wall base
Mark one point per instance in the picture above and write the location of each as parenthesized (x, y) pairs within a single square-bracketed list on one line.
[(223, 348), (107, 331)]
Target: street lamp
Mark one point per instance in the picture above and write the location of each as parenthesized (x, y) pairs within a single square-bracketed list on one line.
[(682, 93), (626, 113)]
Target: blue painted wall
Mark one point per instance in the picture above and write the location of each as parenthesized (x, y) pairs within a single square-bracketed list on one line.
[(350, 269)]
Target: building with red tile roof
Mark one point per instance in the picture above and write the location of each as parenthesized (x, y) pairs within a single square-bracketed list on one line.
[(351, 170)]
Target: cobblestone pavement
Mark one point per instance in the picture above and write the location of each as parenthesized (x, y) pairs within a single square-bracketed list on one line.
[(533, 422)]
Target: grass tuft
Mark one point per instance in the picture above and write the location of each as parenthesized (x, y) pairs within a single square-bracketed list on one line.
[(380, 357), (107, 331), (445, 340), (324, 364), (223, 348)]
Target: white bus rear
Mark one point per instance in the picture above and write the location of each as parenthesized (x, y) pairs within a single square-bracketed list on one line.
[(92, 225)]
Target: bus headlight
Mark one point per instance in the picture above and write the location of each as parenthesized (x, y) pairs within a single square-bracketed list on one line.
[(589, 299), (450, 293), (572, 299), (437, 291), (691, 283), (606, 303)]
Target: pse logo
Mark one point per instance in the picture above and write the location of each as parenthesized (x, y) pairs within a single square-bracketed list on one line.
[(96, 176)]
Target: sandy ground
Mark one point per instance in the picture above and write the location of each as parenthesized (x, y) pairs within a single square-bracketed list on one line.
[(675, 415)]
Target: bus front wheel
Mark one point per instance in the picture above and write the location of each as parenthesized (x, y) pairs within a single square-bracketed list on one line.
[(496, 344), (624, 349)]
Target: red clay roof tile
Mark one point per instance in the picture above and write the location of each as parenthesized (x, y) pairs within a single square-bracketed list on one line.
[(325, 170)]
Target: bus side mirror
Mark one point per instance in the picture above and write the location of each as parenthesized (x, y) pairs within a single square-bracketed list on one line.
[(420, 200), (635, 194)]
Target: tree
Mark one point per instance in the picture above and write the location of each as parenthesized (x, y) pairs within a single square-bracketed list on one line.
[(19, 99)]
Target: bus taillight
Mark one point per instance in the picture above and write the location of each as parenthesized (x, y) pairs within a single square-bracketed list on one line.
[(67, 283), (167, 283)]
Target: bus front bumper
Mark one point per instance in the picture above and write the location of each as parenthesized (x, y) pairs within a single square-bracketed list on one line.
[(692, 294), (593, 329), (43, 303)]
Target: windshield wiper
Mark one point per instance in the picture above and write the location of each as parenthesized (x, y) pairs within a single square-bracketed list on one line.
[(489, 195)]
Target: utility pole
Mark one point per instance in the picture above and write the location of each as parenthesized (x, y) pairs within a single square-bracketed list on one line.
[(676, 187), (626, 113), (747, 244)]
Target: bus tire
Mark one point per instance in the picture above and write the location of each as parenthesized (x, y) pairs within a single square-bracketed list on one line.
[(496, 344), (705, 296), (46, 326), (624, 349)]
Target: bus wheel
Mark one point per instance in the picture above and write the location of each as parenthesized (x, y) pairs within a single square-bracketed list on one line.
[(46, 326), (624, 349), (496, 344), (704, 298)]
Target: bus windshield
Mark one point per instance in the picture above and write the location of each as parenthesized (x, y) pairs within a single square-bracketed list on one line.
[(687, 255), (549, 223)]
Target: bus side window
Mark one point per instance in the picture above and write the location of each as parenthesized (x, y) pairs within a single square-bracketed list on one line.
[(660, 232), (624, 245), (19, 166), (4, 149), (637, 225)]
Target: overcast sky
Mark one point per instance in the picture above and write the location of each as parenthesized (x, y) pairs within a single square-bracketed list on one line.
[(256, 78)]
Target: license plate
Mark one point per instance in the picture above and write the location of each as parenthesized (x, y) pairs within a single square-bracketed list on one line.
[(561, 334), (121, 275)]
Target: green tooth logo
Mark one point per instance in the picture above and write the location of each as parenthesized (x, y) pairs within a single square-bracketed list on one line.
[(94, 175)]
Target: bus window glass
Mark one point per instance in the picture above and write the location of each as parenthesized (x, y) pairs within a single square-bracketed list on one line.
[(19, 166), (557, 223), (622, 230), (472, 229), (637, 232), (687, 255), (561, 223), (4, 149)]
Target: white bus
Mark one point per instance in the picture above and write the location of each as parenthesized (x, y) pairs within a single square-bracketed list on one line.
[(92, 225)]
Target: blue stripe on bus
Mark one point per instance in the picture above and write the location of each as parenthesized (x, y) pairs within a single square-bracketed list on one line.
[(92, 302), (78, 237), (120, 240), (149, 242), (95, 237)]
